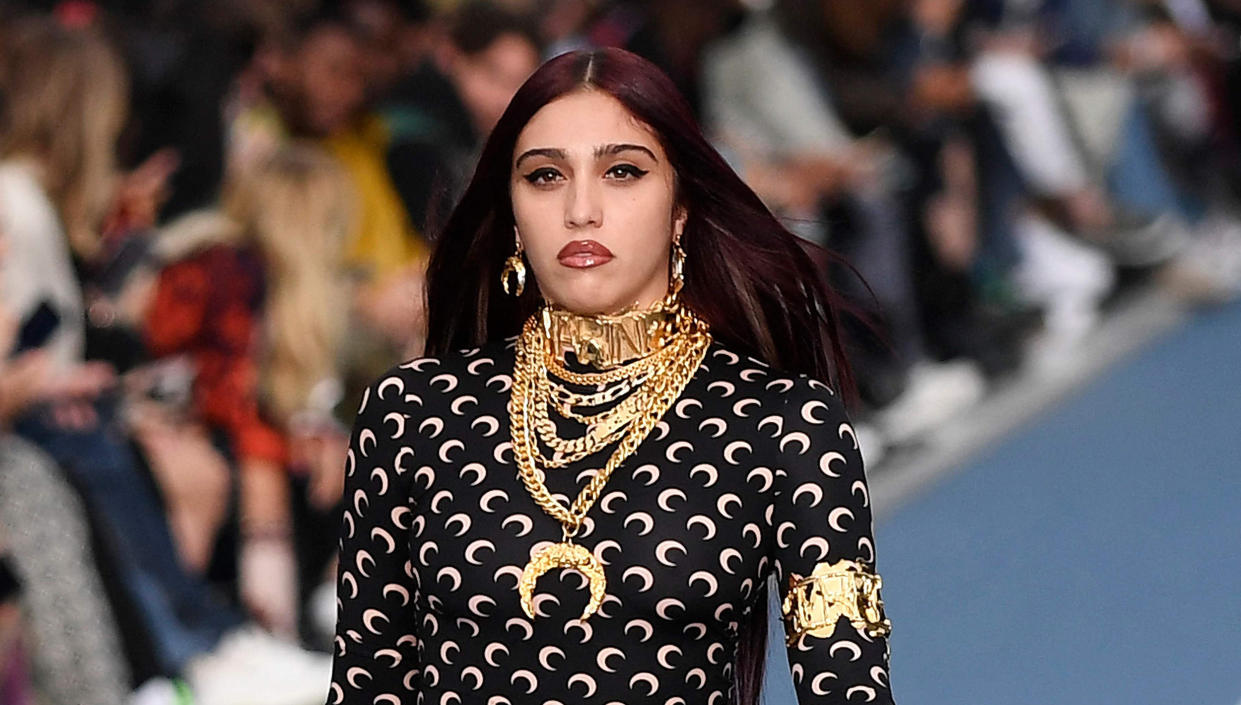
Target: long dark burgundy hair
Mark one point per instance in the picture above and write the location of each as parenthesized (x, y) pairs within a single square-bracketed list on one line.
[(756, 284)]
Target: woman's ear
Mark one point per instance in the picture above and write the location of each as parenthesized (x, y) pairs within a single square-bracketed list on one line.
[(680, 218)]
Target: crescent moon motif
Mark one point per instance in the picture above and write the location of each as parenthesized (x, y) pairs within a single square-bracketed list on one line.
[(587, 630), (816, 685), (661, 551), (765, 474), (833, 519), (647, 678), (585, 680), (731, 449), (649, 470), (855, 651), (719, 425), (712, 584), (671, 453), (647, 578), (783, 385), (604, 653), (391, 382), (398, 419), (698, 673), (739, 407), (825, 462), (664, 651), (647, 522), (812, 489), (645, 626), (489, 653), (817, 542), (527, 627), (668, 494), (527, 676), (436, 424), (606, 502), (563, 555), (807, 411), (526, 523), (457, 403), (490, 421), (474, 547), (774, 420), (860, 486), (479, 471), (682, 404), (546, 652), (801, 438), (846, 429), (485, 502), (712, 474), (706, 522), (450, 382), (448, 446)]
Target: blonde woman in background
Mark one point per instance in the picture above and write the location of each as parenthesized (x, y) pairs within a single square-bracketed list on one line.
[(266, 350), (65, 93)]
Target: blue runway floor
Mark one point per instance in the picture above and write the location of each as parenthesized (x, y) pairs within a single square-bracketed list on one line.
[(1093, 558)]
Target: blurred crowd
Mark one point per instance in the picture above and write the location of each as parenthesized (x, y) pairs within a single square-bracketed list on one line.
[(215, 219)]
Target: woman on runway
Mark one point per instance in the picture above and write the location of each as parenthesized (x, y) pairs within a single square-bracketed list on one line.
[(627, 420)]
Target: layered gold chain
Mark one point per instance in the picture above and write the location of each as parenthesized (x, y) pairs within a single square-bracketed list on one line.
[(641, 392)]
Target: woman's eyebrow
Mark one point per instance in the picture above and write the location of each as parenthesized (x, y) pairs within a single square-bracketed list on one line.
[(549, 152), (614, 149)]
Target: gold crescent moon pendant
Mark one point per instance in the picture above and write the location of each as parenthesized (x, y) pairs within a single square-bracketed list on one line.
[(563, 555)]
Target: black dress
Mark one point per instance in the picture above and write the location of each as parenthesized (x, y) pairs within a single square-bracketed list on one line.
[(751, 471)]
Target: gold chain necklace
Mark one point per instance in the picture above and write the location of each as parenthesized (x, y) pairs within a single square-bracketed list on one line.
[(653, 382)]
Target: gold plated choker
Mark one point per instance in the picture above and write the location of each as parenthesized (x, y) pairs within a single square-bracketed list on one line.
[(645, 358), (842, 589), (605, 341)]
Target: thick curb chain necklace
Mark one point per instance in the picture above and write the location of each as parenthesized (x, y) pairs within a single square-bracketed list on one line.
[(646, 387)]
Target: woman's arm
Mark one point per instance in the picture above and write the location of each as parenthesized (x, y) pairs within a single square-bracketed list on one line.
[(824, 555), (376, 643)]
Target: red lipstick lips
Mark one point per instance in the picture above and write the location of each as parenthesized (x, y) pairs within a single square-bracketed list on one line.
[(584, 254)]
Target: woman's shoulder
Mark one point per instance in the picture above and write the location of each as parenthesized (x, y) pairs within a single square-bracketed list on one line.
[(428, 378), (730, 373)]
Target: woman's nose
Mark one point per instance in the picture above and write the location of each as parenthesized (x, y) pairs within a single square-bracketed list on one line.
[(583, 206)]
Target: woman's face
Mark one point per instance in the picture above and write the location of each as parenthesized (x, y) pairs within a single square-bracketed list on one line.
[(594, 203)]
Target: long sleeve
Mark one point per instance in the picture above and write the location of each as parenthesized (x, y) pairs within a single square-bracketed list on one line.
[(823, 530), (376, 647), (191, 313)]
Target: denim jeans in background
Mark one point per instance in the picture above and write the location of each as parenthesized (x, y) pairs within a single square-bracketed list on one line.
[(183, 618)]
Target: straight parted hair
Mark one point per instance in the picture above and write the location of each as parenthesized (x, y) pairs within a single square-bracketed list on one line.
[(63, 102), (754, 282)]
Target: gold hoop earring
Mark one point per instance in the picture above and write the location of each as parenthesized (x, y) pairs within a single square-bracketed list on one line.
[(514, 267)]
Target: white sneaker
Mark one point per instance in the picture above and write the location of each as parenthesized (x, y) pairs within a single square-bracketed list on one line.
[(1209, 270), (936, 392), (251, 667), (156, 691)]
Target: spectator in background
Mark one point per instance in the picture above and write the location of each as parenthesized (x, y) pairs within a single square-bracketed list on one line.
[(445, 109), (770, 105), (45, 542), (315, 89), (63, 110), (269, 354)]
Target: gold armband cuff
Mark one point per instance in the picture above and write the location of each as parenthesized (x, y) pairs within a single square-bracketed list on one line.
[(841, 589)]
